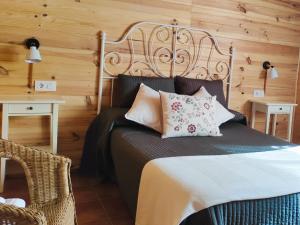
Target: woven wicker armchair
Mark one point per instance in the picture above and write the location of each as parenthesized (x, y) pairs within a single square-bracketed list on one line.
[(20, 216), (50, 189)]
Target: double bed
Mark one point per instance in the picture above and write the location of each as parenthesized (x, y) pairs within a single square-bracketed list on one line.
[(119, 149)]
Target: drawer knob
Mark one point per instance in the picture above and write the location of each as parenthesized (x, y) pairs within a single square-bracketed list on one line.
[(30, 108), (280, 108)]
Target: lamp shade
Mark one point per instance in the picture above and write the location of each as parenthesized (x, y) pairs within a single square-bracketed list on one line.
[(273, 73), (33, 55)]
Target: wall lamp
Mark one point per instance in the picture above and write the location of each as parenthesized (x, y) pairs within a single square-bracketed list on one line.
[(33, 55), (271, 72)]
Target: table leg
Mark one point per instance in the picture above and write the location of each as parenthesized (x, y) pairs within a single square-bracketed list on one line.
[(54, 128), (2, 173), (290, 124), (274, 124), (253, 116), (4, 135), (267, 122)]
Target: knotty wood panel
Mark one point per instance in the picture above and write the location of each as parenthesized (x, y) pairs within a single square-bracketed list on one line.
[(296, 131), (68, 30)]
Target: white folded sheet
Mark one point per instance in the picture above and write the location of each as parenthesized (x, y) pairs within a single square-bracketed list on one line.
[(173, 188)]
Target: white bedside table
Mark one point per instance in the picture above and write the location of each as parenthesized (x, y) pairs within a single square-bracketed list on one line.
[(29, 106), (273, 108)]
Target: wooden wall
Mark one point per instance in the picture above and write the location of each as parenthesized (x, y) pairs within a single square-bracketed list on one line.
[(68, 31), (296, 131)]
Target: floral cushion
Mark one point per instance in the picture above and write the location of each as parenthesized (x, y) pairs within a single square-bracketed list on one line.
[(222, 114), (185, 115)]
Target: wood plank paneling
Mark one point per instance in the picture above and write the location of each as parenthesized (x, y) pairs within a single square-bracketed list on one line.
[(68, 31), (296, 131), (264, 21)]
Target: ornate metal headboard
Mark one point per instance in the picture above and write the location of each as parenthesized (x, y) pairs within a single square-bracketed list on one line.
[(164, 50)]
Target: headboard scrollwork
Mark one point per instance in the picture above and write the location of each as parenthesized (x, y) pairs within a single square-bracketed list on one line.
[(164, 50)]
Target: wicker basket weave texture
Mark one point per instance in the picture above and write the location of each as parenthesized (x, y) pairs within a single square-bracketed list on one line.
[(49, 184)]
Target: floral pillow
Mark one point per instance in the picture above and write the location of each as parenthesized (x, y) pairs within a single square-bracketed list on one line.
[(222, 114), (185, 115)]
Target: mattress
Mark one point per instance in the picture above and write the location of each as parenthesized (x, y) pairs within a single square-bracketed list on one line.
[(132, 147)]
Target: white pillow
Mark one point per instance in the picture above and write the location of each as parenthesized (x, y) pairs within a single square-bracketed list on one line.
[(2, 200), (18, 202), (185, 115), (146, 109), (222, 114)]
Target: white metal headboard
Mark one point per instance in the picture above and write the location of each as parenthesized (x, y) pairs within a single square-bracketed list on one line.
[(164, 50)]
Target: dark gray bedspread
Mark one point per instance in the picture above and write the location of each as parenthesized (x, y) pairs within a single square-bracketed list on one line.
[(116, 146), (133, 147), (96, 158)]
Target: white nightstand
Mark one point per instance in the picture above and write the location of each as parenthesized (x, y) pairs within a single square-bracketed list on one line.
[(29, 106), (273, 108)]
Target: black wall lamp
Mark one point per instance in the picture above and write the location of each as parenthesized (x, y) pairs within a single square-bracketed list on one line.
[(33, 55), (271, 72)]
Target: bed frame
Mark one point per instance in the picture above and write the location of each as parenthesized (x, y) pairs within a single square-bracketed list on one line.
[(164, 50)]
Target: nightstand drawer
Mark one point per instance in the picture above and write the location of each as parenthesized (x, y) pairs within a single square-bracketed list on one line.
[(279, 109), (29, 108)]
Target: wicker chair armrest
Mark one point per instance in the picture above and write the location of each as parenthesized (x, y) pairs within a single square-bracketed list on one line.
[(24, 216)]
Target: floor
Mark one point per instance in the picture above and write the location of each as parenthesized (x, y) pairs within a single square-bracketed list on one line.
[(96, 203)]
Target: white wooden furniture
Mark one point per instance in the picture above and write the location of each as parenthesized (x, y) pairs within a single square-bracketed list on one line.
[(273, 108), (29, 106)]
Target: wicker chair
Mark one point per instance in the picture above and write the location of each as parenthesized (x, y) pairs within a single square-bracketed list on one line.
[(20, 216), (50, 189)]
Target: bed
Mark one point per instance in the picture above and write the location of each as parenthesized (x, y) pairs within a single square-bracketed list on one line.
[(116, 148)]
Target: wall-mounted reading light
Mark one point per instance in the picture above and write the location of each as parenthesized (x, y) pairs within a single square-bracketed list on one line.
[(33, 55), (271, 72)]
